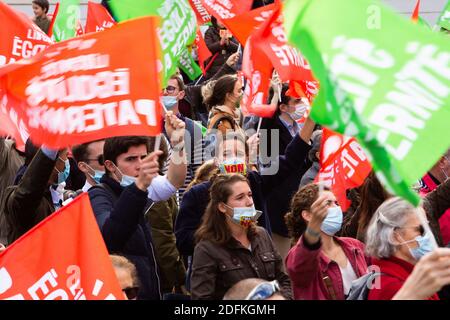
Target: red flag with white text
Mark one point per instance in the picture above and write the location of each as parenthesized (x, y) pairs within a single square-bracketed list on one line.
[(343, 165), (19, 38), (201, 13), (64, 257), (226, 9), (98, 18), (89, 88)]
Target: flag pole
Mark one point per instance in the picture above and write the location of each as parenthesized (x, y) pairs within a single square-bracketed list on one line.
[(259, 126)]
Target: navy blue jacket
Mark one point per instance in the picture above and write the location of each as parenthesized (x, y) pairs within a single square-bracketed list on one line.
[(196, 199), (120, 217), (278, 201)]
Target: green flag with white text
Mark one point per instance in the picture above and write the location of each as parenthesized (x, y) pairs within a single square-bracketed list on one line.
[(382, 80), (65, 26), (177, 30), (188, 65), (444, 18)]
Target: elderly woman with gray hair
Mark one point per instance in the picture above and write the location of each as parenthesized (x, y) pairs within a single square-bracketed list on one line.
[(396, 240)]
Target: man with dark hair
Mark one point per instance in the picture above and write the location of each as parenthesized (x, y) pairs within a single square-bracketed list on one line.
[(40, 10), (127, 191), (89, 158)]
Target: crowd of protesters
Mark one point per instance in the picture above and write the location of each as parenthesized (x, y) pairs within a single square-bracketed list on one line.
[(200, 216)]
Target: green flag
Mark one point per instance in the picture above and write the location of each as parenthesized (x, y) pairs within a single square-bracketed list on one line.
[(66, 20), (188, 65), (204, 129), (444, 18), (382, 79), (177, 28)]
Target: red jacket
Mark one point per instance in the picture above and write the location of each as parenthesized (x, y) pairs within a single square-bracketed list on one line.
[(395, 272), (428, 184), (307, 266)]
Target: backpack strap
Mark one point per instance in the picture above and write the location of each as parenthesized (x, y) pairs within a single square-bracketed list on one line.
[(220, 117), (108, 190)]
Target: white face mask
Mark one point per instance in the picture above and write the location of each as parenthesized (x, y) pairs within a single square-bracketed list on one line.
[(243, 216), (299, 112)]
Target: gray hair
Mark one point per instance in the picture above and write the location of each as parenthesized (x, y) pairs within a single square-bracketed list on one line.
[(316, 138), (392, 214)]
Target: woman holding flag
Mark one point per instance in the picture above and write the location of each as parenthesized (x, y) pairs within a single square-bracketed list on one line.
[(321, 266)]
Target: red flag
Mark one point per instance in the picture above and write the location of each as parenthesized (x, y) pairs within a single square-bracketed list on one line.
[(258, 71), (89, 88), (415, 15), (19, 38), (241, 26), (98, 18), (200, 12), (53, 17), (79, 30), (202, 50), (62, 258), (343, 165), (287, 60), (226, 9)]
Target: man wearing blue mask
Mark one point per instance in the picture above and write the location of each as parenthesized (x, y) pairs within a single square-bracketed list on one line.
[(171, 97), (126, 193), (38, 194), (89, 158)]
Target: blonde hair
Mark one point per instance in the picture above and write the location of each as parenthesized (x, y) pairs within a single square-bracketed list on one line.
[(203, 173), (120, 262)]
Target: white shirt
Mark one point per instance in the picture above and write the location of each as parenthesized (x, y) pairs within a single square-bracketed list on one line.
[(57, 195), (348, 275), (160, 189), (86, 186)]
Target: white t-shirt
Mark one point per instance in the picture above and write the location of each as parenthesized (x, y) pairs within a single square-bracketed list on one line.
[(348, 275)]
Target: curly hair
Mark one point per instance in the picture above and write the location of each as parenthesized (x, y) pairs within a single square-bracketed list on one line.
[(302, 200)]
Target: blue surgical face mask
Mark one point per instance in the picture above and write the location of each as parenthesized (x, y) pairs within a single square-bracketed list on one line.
[(169, 102), (97, 174), (126, 180), (63, 175), (333, 221), (425, 245), (243, 216)]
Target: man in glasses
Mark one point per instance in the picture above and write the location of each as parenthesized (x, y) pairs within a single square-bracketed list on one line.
[(254, 289), (89, 158)]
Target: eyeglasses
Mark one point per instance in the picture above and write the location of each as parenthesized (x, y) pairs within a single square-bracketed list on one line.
[(264, 290), (99, 159), (170, 89), (131, 292)]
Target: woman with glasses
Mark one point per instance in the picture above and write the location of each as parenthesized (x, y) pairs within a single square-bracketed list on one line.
[(126, 275), (321, 266), (230, 247), (396, 240)]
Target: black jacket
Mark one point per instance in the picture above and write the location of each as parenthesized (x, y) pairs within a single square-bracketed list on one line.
[(196, 199), (220, 53), (216, 268), (279, 199), (120, 215), (192, 105), (29, 202)]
